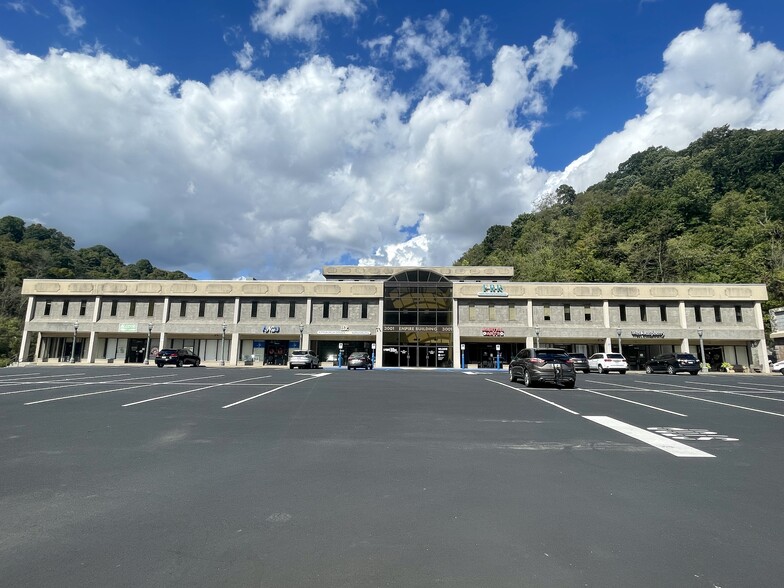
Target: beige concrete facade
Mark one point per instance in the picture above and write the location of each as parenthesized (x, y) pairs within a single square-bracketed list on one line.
[(231, 320)]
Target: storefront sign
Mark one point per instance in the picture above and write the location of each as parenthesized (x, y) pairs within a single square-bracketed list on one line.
[(416, 329), (342, 332), (266, 329), (492, 332), (492, 290), (647, 334), (128, 328)]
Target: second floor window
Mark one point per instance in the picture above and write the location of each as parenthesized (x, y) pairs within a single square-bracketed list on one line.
[(65, 308), (717, 313), (643, 312), (254, 309), (273, 309), (292, 309), (345, 310), (82, 308), (132, 310), (113, 311), (567, 312), (202, 308), (698, 314), (221, 306), (663, 313), (622, 309)]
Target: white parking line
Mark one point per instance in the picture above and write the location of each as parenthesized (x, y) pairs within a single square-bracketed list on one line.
[(88, 394), (95, 383), (271, 391), (194, 390), (670, 446), (738, 406), (634, 402), (570, 411)]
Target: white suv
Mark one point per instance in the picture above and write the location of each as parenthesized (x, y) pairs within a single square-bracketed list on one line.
[(608, 362), (301, 358)]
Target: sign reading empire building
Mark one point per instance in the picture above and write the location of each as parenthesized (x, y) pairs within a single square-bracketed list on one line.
[(417, 329)]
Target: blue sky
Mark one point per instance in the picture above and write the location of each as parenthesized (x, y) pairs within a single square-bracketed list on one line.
[(298, 133)]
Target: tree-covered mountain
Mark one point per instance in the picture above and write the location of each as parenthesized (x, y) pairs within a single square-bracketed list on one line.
[(35, 251), (713, 212)]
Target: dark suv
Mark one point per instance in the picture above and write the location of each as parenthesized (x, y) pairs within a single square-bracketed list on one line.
[(580, 362), (672, 363), (546, 364), (178, 357)]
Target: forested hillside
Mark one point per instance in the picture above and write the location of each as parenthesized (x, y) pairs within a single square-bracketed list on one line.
[(713, 212), (36, 251)]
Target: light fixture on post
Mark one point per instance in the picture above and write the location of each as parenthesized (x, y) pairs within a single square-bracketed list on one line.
[(301, 330), (73, 345), (702, 352), (147, 349), (223, 343), (536, 330), (618, 332)]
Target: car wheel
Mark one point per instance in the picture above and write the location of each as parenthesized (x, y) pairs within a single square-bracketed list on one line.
[(512, 377), (196, 363), (569, 385), (694, 373), (670, 370), (602, 370), (586, 371), (648, 369), (782, 371), (621, 372), (527, 379), (159, 364), (291, 367), (179, 363)]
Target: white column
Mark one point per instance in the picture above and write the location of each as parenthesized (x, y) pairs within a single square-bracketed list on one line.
[(606, 315), (25, 331)]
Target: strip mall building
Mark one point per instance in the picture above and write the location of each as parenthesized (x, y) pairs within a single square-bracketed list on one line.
[(439, 317)]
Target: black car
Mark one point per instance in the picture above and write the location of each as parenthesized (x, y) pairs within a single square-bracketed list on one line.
[(672, 363), (580, 362), (547, 364), (178, 357), (359, 359)]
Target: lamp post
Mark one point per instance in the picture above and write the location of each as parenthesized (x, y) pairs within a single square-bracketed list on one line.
[(73, 345), (223, 343), (536, 330), (301, 330), (702, 351), (147, 349), (618, 332)]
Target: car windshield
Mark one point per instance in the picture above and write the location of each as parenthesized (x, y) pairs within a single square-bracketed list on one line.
[(614, 356), (685, 356), (299, 353), (578, 355)]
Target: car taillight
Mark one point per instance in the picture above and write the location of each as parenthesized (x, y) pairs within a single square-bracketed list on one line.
[(537, 360), (569, 361)]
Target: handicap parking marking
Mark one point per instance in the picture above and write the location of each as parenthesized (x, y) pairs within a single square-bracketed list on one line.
[(691, 434), (669, 445)]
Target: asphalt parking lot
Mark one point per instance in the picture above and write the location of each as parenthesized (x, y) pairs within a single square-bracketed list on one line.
[(137, 476)]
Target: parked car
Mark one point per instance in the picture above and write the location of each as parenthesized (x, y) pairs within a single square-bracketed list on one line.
[(778, 367), (178, 357), (303, 358), (580, 362), (672, 363), (608, 362), (547, 364), (359, 359)]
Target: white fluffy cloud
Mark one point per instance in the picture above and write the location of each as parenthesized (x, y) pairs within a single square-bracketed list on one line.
[(299, 19), (271, 177), (714, 75), (274, 177)]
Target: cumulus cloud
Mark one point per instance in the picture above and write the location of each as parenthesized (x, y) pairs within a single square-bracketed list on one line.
[(713, 75), (274, 176), (299, 19)]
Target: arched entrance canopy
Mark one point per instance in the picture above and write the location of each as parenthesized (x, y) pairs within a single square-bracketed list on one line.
[(418, 319)]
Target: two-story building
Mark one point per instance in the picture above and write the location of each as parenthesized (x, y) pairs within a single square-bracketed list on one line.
[(420, 317)]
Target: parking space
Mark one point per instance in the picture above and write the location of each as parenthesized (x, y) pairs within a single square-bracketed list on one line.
[(205, 476)]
